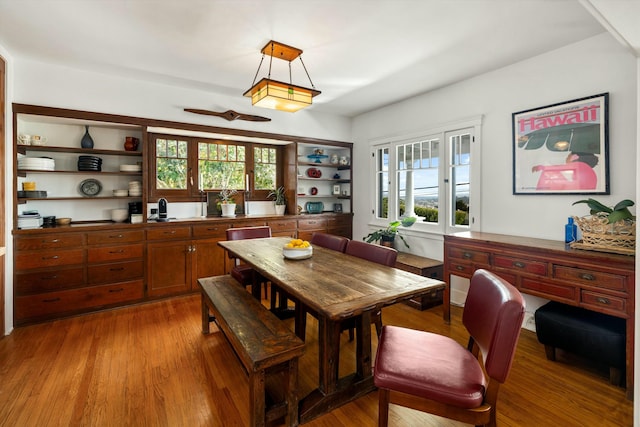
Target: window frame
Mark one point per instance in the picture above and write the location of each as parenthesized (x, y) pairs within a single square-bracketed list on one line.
[(192, 192), (474, 125)]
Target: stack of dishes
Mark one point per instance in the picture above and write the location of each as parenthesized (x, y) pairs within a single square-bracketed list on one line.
[(135, 188), (37, 163), (130, 168), (49, 221), (89, 163), (120, 193)]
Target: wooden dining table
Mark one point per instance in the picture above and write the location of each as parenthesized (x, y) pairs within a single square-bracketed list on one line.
[(335, 287)]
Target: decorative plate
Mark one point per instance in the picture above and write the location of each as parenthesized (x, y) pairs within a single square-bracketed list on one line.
[(90, 187), (314, 173)]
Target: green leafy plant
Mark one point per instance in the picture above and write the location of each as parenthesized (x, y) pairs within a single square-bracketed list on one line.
[(278, 196), (226, 195), (390, 232), (619, 212)]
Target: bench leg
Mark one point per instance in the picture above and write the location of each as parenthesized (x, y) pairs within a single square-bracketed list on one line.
[(257, 398), (291, 392), (205, 315), (550, 351)]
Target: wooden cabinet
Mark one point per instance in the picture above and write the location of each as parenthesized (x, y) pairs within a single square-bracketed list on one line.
[(169, 260), (283, 227), (592, 280), (307, 226), (68, 273), (210, 258)]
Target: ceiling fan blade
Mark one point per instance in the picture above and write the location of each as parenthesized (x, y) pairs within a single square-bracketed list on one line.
[(230, 115)]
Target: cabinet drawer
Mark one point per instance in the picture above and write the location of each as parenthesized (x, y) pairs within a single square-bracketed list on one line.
[(112, 253), (111, 237), (52, 258), (211, 230), (590, 277), (74, 300), (539, 287), (116, 272), (282, 225), (312, 224), (49, 280), (461, 269), (524, 265), (163, 233), (52, 241), (602, 302), (471, 255)]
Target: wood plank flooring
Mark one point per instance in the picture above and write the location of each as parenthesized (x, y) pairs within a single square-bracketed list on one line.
[(150, 365)]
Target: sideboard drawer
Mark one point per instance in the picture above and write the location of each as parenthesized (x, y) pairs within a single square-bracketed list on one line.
[(67, 240), (111, 237), (52, 258), (602, 302), (559, 291), (112, 253), (470, 255), (49, 280), (117, 272), (168, 233), (524, 265), (590, 277), (211, 230), (282, 225), (312, 224), (461, 269)]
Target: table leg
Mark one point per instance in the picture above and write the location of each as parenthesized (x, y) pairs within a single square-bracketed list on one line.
[(363, 345), (205, 315), (329, 354)]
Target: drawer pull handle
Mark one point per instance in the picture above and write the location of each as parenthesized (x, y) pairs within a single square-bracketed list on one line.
[(120, 251), (55, 276), (51, 257), (459, 268), (116, 290), (116, 269), (587, 276), (116, 236), (519, 264), (51, 300), (51, 241), (467, 255), (213, 228), (170, 232), (602, 300)]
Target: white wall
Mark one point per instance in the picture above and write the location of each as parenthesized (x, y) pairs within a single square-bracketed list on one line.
[(590, 67), (586, 68)]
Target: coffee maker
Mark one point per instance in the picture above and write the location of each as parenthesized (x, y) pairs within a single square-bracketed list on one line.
[(162, 210)]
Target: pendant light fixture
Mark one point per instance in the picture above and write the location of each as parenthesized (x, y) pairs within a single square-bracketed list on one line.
[(278, 95)]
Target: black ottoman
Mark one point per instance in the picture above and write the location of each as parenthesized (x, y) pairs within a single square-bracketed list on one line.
[(592, 335)]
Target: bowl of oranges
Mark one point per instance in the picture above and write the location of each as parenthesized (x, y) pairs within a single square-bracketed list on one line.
[(297, 249)]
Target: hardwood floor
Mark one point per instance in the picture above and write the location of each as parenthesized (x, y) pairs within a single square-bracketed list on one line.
[(150, 365)]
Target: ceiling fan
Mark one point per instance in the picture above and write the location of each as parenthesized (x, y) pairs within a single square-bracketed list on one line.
[(230, 115)]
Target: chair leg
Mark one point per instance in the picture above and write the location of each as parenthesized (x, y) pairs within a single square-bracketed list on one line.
[(378, 323), (383, 407), (615, 375), (550, 351)]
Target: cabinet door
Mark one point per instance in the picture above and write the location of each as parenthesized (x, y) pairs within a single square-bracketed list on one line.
[(210, 259), (169, 267)]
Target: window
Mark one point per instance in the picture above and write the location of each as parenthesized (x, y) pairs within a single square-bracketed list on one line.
[(185, 167), (430, 177)]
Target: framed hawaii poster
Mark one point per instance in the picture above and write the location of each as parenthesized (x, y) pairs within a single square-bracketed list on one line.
[(562, 148)]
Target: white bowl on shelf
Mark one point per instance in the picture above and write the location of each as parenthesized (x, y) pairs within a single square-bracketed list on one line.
[(130, 168), (119, 215), (120, 193)]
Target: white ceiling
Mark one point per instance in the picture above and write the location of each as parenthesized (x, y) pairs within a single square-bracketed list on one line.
[(362, 54)]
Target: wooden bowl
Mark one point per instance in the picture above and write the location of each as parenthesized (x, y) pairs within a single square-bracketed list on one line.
[(63, 221)]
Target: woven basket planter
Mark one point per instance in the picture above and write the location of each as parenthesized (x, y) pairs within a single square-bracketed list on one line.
[(598, 234)]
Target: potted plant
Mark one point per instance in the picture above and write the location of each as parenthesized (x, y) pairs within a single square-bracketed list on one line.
[(227, 202), (386, 236), (279, 198), (608, 228)]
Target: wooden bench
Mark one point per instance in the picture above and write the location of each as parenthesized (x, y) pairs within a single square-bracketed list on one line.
[(426, 267), (262, 342)]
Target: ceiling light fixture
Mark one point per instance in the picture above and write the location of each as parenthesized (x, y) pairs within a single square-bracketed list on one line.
[(278, 95)]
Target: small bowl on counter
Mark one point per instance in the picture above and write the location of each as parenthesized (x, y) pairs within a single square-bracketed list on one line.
[(119, 215), (63, 221)]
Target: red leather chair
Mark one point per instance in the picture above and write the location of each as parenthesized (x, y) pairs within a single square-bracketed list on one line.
[(375, 253), (433, 373), (241, 272), (329, 241)]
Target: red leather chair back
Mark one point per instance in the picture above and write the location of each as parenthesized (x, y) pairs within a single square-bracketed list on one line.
[(376, 253), (493, 314), (330, 241), (242, 233)]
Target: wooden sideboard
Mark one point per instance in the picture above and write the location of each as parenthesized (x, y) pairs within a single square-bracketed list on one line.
[(597, 281)]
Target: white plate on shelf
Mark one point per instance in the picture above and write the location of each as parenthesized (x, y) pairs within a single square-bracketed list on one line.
[(130, 168)]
